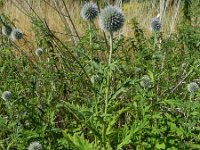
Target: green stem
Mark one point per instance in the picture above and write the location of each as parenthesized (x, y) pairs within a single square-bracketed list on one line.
[(89, 24), (109, 74)]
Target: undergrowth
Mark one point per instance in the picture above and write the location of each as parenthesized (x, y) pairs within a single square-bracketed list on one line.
[(58, 98)]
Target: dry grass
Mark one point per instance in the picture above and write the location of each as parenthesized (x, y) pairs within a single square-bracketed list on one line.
[(141, 11)]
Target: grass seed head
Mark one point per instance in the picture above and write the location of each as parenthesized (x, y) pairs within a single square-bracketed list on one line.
[(193, 87), (89, 11), (35, 146), (6, 95), (16, 34), (111, 19)]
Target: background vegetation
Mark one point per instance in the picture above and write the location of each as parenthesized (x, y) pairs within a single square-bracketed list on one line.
[(58, 98)]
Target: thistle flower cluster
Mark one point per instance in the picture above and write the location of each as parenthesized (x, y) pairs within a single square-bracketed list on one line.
[(192, 87), (145, 81), (89, 11), (35, 146), (6, 30), (138, 70), (16, 34), (111, 19), (39, 52), (155, 24), (6, 95)]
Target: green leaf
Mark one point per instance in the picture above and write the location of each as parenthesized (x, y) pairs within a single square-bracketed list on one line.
[(115, 119), (134, 129), (160, 146), (78, 142), (82, 116)]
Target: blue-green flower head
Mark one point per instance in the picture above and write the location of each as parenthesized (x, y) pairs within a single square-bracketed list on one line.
[(35, 146), (16, 34), (39, 52), (7, 95), (89, 11), (192, 87), (155, 24), (111, 19), (145, 81), (6, 30)]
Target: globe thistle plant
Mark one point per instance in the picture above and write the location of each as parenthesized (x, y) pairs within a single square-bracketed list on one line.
[(16, 34), (145, 81), (6, 95), (155, 24), (111, 19), (39, 52), (89, 11), (35, 146), (192, 87), (6, 30)]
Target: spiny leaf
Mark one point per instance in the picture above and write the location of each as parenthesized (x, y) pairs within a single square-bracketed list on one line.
[(79, 142), (115, 119), (134, 129), (82, 118)]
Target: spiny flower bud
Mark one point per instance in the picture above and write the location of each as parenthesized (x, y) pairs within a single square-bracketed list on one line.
[(35, 146), (6, 30), (39, 51), (89, 11), (6, 95), (111, 19), (193, 87), (145, 81), (16, 34), (155, 24)]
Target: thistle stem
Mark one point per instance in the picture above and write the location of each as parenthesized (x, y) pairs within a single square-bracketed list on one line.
[(89, 24), (109, 74)]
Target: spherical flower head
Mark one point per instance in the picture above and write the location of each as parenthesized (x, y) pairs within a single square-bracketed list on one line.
[(138, 70), (155, 24), (145, 81), (39, 51), (89, 11), (16, 34), (6, 95), (35, 146), (193, 87), (6, 30), (111, 19)]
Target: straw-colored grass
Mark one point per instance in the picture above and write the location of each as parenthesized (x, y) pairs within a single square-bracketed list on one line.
[(141, 11)]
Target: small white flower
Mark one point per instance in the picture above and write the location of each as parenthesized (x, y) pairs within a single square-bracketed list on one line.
[(35, 146), (193, 87), (6, 95)]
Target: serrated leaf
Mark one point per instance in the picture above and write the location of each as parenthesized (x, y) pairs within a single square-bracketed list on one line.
[(79, 142), (115, 119)]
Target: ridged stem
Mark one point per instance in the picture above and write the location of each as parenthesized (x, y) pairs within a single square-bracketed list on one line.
[(109, 74), (89, 24)]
